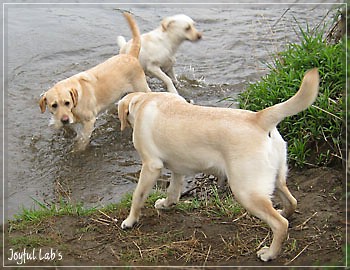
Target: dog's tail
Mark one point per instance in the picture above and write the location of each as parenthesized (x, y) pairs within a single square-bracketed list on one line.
[(136, 40), (271, 116)]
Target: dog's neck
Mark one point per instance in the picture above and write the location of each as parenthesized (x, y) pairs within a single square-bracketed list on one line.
[(171, 40)]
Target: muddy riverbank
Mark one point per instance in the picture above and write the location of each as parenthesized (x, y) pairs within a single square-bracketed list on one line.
[(199, 236)]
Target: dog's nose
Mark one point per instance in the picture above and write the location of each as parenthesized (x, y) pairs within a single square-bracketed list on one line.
[(199, 35), (65, 119)]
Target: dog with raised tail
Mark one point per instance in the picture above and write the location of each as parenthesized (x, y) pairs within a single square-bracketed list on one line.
[(80, 98), (242, 145), (159, 46)]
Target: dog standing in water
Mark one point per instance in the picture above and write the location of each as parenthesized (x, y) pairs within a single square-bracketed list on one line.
[(80, 98), (159, 46)]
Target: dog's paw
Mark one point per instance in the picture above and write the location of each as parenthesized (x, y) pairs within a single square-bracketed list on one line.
[(80, 145), (281, 212), (160, 204), (266, 254), (128, 223)]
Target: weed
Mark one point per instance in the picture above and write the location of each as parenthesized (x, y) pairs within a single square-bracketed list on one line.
[(215, 204), (293, 246), (42, 211), (314, 135), (189, 205), (125, 202), (223, 205), (31, 241), (154, 196)]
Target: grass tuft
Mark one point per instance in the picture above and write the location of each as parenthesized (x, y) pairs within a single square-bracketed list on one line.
[(314, 135), (216, 204), (41, 211)]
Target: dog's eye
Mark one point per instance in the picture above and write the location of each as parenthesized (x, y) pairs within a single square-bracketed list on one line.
[(54, 105), (188, 28), (67, 103)]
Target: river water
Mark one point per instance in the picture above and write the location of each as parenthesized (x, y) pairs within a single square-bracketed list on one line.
[(47, 43)]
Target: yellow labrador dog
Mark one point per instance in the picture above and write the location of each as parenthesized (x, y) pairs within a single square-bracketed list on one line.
[(243, 145), (159, 46), (80, 98)]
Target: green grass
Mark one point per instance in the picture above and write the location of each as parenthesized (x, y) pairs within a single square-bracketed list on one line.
[(222, 204), (32, 241), (41, 211), (125, 202), (314, 136), (216, 204)]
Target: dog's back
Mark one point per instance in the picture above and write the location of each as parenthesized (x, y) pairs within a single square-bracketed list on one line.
[(221, 131)]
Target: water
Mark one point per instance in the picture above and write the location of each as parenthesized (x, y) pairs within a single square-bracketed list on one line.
[(47, 43)]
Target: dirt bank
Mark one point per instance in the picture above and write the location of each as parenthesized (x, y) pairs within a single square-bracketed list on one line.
[(197, 237)]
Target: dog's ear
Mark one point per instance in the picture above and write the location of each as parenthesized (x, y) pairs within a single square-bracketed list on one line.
[(85, 77), (123, 112), (74, 95), (166, 22), (42, 103)]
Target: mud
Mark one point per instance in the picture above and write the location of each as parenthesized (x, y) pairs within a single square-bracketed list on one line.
[(201, 237)]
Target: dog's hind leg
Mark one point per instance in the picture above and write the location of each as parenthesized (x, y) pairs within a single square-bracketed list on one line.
[(174, 192), (157, 72), (140, 84), (261, 207), (288, 201), (148, 177), (256, 200), (172, 75)]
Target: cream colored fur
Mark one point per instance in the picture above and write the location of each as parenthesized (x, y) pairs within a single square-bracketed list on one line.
[(80, 98), (158, 47), (245, 146)]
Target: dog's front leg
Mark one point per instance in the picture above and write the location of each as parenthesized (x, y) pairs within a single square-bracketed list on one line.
[(148, 177), (174, 192), (83, 138)]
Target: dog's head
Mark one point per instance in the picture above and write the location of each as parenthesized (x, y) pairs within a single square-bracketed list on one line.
[(60, 100), (182, 27), (126, 109)]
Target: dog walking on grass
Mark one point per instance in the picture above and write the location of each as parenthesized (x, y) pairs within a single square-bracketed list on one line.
[(242, 145)]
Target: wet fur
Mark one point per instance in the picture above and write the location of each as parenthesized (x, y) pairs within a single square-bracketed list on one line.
[(159, 46), (80, 98)]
